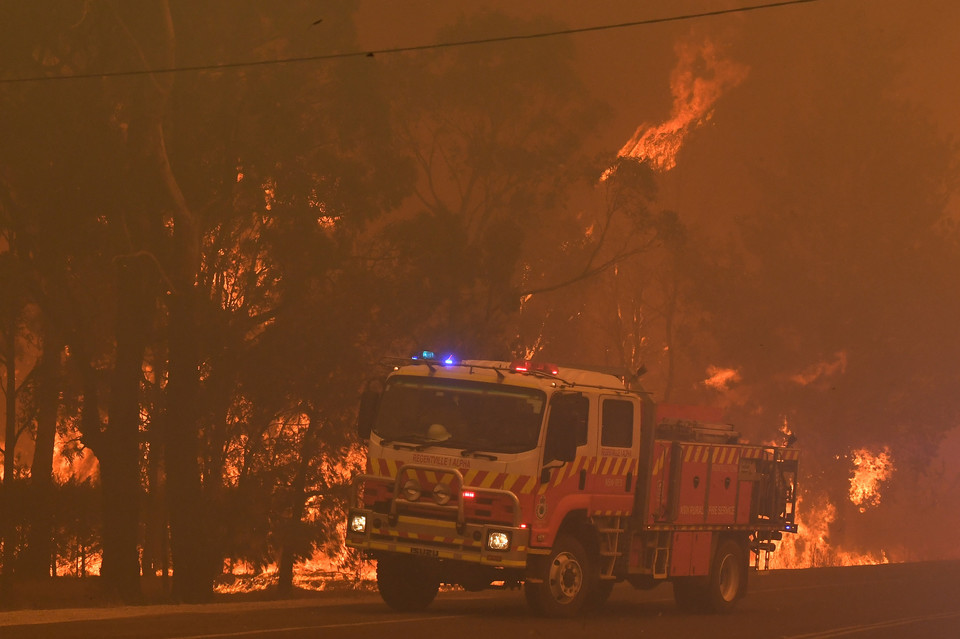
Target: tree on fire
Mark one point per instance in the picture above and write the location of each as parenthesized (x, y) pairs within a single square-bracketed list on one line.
[(159, 232), (223, 291), (206, 265)]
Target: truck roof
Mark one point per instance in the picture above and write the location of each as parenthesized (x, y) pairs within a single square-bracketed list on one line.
[(491, 370)]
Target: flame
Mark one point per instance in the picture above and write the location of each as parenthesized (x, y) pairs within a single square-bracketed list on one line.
[(721, 378), (811, 546), (869, 472), (71, 460), (701, 76), (822, 369), (329, 566)]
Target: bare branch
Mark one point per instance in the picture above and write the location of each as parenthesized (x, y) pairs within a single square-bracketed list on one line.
[(153, 258), (589, 272)]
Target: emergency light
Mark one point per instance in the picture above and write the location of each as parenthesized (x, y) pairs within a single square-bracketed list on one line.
[(431, 356), (526, 366)]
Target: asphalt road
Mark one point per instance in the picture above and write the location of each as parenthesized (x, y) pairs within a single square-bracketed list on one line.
[(879, 602)]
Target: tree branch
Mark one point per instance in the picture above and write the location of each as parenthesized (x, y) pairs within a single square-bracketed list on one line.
[(589, 272)]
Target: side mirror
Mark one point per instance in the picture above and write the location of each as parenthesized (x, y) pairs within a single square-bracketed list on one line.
[(369, 403)]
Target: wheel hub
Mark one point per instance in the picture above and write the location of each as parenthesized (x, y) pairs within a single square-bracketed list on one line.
[(566, 577), (729, 578)]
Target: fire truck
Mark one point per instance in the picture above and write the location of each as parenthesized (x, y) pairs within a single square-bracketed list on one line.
[(565, 481)]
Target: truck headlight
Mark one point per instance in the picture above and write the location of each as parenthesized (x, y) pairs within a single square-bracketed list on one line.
[(358, 523), (411, 490), (498, 540), (441, 493)]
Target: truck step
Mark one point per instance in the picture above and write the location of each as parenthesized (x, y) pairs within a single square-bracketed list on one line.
[(610, 553), (610, 530)]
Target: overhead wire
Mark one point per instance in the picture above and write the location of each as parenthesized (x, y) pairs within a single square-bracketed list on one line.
[(371, 53)]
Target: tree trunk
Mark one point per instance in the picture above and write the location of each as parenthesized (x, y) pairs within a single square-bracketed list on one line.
[(7, 519), (192, 572), (292, 529), (192, 569), (155, 548), (39, 552), (120, 449)]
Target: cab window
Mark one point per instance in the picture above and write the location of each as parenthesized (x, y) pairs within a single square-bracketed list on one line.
[(617, 423)]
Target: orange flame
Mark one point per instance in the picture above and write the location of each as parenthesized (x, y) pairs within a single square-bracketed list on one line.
[(811, 546), (72, 460), (821, 370), (869, 472), (721, 378), (701, 76)]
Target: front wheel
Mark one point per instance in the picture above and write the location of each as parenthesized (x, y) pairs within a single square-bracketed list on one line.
[(728, 578), (406, 583), (566, 579)]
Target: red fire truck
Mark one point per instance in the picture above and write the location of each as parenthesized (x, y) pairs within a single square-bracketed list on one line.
[(489, 474)]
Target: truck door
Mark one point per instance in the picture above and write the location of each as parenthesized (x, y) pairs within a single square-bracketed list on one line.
[(614, 471), (567, 449)]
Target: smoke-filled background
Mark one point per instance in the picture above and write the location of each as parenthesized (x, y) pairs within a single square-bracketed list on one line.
[(794, 254), (760, 208)]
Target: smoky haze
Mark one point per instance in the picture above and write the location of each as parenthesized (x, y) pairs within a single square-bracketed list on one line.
[(817, 196), (760, 208)]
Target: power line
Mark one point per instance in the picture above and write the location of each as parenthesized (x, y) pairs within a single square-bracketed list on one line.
[(423, 47)]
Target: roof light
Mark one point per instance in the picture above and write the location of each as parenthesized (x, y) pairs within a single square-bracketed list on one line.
[(431, 356), (527, 366)]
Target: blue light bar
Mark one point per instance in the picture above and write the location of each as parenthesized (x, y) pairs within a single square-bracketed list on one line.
[(431, 356), (791, 527)]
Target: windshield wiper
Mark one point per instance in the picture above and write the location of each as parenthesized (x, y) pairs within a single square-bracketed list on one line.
[(412, 442), (478, 454), (404, 445)]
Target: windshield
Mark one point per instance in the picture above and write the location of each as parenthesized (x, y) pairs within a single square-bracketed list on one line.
[(460, 414)]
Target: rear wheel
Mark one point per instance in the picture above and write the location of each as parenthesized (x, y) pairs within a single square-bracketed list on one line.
[(407, 584), (728, 578), (566, 579)]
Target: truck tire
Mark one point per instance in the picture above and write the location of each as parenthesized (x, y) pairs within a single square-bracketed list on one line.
[(728, 578), (407, 584), (566, 580)]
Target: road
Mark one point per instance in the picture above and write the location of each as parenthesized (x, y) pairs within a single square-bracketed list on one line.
[(879, 602)]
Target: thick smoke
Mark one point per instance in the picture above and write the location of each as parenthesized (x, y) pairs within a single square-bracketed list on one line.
[(817, 193)]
